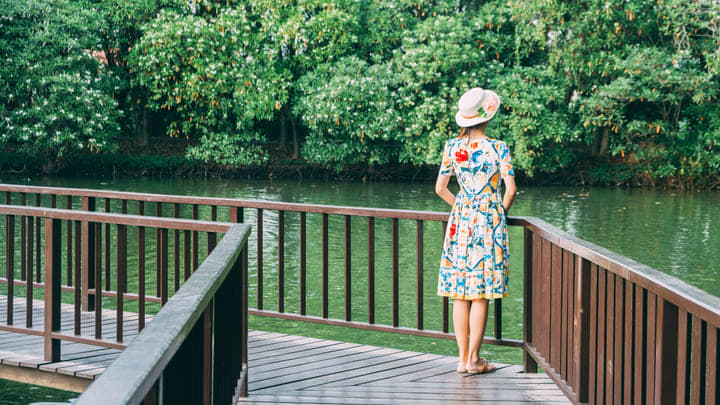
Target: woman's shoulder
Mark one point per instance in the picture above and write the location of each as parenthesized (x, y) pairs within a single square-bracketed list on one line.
[(498, 144), (453, 141)]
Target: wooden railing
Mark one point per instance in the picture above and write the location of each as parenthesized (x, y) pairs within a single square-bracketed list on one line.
[(237, 211), (607, 329), (601, 325), (83, 251), (209, 311), (195, 349)]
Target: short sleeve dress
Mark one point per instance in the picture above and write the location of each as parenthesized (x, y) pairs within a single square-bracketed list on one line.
[(475, 253)]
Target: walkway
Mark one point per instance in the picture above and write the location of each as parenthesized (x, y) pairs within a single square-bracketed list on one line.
[(295, 369), (286, 368)]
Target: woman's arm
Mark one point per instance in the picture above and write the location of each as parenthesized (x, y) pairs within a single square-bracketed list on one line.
[(510, 190), (441, 189)]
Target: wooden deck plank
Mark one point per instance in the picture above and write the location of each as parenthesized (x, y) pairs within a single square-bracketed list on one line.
[(298, 370)]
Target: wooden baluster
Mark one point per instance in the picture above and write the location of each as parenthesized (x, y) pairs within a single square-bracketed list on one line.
[(325, 265), (187, 270), (120, 279), (69, 243), (196, 239), (23, 242), (124, 211), (53, 291), (10, 263), (236, 214), (582, 324), (29, 286), (98, 280), (609, 337), (212, 237), (696, 382), (108, 251), (303, 263), (281, 261), (176, 249), (529, 365), (711, 365), (158, 255), (141, 275), (639, 342), (164, 278), (88, 256), (652, 312), (666, 363), (38, 250), (395, 275), (259, 258), (348, 269), (683, 360), (371, 269), (419, 268), (78, 297)]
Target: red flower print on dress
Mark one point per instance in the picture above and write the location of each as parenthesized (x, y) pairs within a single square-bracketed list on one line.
[(461, 155), (474, 145), (453, 229)]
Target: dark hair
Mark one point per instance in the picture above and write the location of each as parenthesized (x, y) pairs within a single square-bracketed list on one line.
[(464, 131)]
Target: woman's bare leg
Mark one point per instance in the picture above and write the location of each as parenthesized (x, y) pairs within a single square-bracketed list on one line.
[(460, 324), (478, 319)]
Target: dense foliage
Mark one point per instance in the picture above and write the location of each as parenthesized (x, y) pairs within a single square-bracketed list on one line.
[(620, 90)]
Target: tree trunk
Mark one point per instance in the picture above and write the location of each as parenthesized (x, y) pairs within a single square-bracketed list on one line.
[(283, 129), (296, 144), (141, 127), (605, 141)]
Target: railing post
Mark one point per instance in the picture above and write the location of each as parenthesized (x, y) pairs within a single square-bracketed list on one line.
[(529, 364), (666, 341), (53, 258), (581, 328), (88, 257)]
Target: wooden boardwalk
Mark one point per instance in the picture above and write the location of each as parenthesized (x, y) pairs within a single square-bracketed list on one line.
[(301, 370), (21, 355), (284, 368)]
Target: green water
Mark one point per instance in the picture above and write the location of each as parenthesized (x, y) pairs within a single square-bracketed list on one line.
[(671, 231)]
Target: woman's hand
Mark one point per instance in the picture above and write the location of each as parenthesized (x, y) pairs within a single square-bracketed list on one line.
[(510, 190), (441, 189)]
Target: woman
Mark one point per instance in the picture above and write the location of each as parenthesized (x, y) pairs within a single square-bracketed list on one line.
[(474, 265)]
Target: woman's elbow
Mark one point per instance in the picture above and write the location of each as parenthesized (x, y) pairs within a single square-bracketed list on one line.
[(439, 188)]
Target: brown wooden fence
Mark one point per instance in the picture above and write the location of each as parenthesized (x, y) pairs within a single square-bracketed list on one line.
[(217, 321), (605, 328)]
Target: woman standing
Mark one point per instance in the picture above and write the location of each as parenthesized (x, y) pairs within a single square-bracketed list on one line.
[(474, 265)]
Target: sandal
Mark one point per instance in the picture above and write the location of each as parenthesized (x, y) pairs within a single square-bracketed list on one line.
[(461, 368), (485, 368)]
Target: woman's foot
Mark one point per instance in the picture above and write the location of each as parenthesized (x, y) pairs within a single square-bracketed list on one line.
[(482, 366), (461, 368)]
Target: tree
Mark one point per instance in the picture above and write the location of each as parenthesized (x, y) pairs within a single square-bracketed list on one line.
[(59, 97)]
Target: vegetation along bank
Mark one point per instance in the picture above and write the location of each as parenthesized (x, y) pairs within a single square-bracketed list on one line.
[(599, 92)]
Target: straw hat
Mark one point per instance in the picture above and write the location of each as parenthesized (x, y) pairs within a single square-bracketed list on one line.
[(476, 106)]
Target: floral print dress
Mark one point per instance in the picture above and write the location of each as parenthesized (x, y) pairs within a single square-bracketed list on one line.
[(475, 253)]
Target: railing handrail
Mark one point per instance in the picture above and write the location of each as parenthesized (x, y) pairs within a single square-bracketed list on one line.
[(231, 202), (116, 219), (129, 378), (665, 285)]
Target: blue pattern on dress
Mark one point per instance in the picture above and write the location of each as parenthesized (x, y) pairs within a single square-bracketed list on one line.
[(475, 255)]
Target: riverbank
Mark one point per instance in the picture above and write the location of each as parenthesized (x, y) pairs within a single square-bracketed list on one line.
[(166, 158)]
